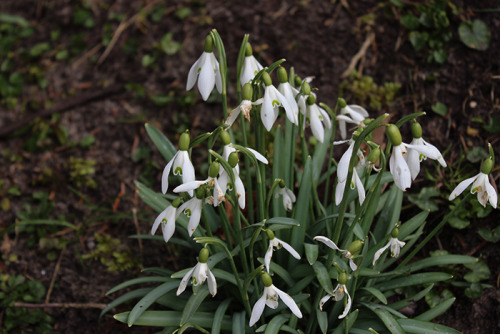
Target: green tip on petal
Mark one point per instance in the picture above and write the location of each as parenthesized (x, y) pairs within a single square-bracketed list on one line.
[(341, 102), (184, 141), (209, 44), (282, 75), (487, 166), (394, 135), (203, 257), (266, 280), (416, 130), (248, 50)]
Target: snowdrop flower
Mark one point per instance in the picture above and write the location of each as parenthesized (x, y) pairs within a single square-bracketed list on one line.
[(318, 118), (250, 66), (286, 89), (211, 181), (357, 115), (192, 209), (480, 185), (417, 153), (206, 69), (288, 197), (306, 91), (354, 247), (343, 170), (394, 243), (397, 163), (244, 107), (199, 275), (181, 164), (273, 99), (167, 220), (355, 183), (338, 294), (277, 243), (270, 298), (225, 179)]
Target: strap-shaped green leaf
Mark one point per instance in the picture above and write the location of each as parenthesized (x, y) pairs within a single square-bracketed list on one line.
[(408, 301), (238, 322), (377, 294), (441, 260), (412, 224), (125, 298), (424, 327), (171, 319), (436, 310), (312, 251), (147, 279), (415, 279), (219, 316), (390, 323), (323, 277), (165, 146), (322, 318), (301, 210), (193, 303), (348, 321), (275, 324)]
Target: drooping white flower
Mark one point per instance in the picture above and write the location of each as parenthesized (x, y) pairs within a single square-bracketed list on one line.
[(347, 254), (399, 168), (192, 209), (206, 70), (338, 294), (270, 298), (292, 114), (167, 221), (355, 183), (182, 166), (343, 171), (318, 118), (277, 243), (226, 184), (395, 245), (199, 275), (273, 99), (357, 115), (249, 69), (244, 108), (288, 197), (419, 150), (481, 186)]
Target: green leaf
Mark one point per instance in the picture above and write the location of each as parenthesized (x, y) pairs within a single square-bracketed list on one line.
[(439, 56), (418, 39), (490, 235), (425, 199), (193, 303), (348, 321), (493, 126), (219, 315), (148, 60), (440, 108), (458, 222), (376, 293), (301, 209), (171, 319), (46, 222), (322, 318), (125, 298), (273, 326), (410, 21), (311, 252), (238, 322), (166, 148), (477, 154), (441, 260), (475, 290), (412, 224), (168, 45), (14, 19), (480, 271), (39, 49), (414, 279), (390, 323), (151, 198), (323, 277), (476, 34), (424, 327), (283, 221), (140, 280), (436, 310)]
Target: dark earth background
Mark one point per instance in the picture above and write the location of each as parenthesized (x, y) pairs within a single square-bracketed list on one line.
[(318, 38)]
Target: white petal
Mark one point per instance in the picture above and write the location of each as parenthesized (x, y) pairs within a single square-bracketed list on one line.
[(326, 117), (439, 158), (258, 156), (168, 228), (193, 74), (492, 195), (379, 252), (359, 109), (323, 301), (240, 191), (348, 306), (187, 170), (359, 185), (429, 151), (289, 302), (233, 115), (185, 187), (292, 110), (291, 195), (268, 256), (399, 168), (343, 166), (316, 124), (194, 220), (257, 310), (267, 113), (461, 187), (342, 128), (327, 242), (218, 78), (158, 219), (289, 249), (339, 191), (353, 265), (206, 79), (184, 281), (212, 284), (166, 172), (413, 161)]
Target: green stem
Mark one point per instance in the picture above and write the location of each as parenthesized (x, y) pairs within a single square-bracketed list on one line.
[(270, 195)]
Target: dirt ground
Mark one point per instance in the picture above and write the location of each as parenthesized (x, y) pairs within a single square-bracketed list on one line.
[(318, 38)]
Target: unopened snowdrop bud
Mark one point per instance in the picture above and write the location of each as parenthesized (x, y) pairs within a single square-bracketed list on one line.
[(282, 75), (233, 159), (282, 183), (247, 92), (367, 121), (203, 256), (487, 166), (395, 232), (270, 234), (311, 100), (306, 88), (200, 192), (342, 103), (355, 246), (224, 136), (374, 155), (248, 50), (184, 141), (267, 79), (394, 135), (266, 280), (213, 171), (416, 130), (209, 44), (342, 278), (297, 81), (176, 202)]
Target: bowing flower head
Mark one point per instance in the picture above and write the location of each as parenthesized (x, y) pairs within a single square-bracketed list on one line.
[(181, 164), (199, 274), (167, 220), (277, 243), (348, 253), (318, 118), (250, 66), (338, 294), (394, 243), (273, 99), (350, 114)]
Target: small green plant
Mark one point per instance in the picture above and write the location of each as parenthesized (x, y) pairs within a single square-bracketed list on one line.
[(81, 171), (113, 254)]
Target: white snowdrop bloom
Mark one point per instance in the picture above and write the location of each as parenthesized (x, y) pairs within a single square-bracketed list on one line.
[(245, 105), (277, 243), (355, 183), (347, 254), (192, 209), (395, 245), (338, 294), (318, 119), (181, 164), (399, 168), (249, 69), (199, 274), (481, 186), (273, 99), (357, 115), (270, 298), (167, 221), (288, 197), (206, 70)]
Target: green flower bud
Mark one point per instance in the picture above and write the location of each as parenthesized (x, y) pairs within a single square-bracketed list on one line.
[(176, 202), (266, 280), (416, 130), (233, 159), (395, 232), (203, 257), (248, 50), (342, 278), (270, 234), (393, 134), (267, 79), (306, 88), (225, 137), (341, 102), (487, 166), (184, 141), (282, 183), (374, 155), (200, 193), (311, 100), (282, 75), (213, 170), (298, 81), (367, 121), (209, 44), (247, 92), (355, 246)]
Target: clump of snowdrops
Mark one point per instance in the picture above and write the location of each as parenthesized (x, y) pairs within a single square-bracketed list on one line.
[(288, 239)]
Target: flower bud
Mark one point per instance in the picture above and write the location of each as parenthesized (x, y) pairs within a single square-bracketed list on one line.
[(395, 232), (176, 202), (487, 166), (416, 130), (213, 170), (374, 155), (200, 193), (247, 92), (367, 121), (311, 100), (282, 75), (225, 137), (341, 102), (342, 278), (394, 135), (233, 159), (184, 141), (297, 81), (248, 50), (306, 88), (355, 246), (267, 79), (270, 234), (209, 44), (266, 280), (203, 256), (282, 183)]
